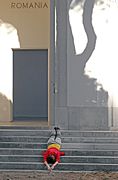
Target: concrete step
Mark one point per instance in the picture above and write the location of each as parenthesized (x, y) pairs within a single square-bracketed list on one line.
[(65, 133), (90, 134), (90, 139), (68, 152), (79, 146), (2, 127), (90, 159), (90, 146), (21, 158), (41, 139), (27, 139), (60, 167), (87, 167), (64, 159), (24, 132), (22, 148), (26, 145)]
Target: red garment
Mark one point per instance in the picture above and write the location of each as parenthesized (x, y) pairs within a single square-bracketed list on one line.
[(53, 151)]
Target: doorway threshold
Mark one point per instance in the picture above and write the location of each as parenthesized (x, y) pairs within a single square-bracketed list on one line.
[(33, 123)]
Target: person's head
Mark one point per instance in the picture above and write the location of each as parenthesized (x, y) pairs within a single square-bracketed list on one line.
[(51, 159)]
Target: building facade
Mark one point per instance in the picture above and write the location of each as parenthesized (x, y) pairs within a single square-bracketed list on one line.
[(64, 68)]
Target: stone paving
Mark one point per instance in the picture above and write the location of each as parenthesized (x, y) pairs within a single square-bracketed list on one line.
[(58, 176)]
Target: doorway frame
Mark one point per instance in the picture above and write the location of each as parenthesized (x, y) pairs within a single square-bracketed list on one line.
[(51, 70)]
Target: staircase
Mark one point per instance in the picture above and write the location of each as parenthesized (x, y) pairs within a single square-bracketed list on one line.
[(21, 149)]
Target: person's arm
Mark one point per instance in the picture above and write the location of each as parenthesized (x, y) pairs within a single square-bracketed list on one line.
[(62, 153), (57, 160), (53, 166), (49, 168), (45, 154)]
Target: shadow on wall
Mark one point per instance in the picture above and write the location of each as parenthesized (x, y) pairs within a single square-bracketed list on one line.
[(91, 93), (86, 94), (5, 108)]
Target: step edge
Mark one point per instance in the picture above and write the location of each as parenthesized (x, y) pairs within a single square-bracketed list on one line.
[(77, 164), (39, 156)]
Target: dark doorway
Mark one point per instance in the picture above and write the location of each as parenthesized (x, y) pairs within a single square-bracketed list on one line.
[(30, 84)]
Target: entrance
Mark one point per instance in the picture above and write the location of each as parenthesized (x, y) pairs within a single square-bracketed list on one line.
[(30, 84)]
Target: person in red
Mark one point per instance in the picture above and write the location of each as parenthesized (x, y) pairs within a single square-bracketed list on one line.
[(52, 154)]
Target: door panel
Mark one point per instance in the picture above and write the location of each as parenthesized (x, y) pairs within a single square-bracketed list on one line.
[(30, 84)]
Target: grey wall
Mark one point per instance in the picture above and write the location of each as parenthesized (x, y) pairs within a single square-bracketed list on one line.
[(78, 104)]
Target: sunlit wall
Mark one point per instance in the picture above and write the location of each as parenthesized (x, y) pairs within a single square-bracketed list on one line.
[(23, 24)]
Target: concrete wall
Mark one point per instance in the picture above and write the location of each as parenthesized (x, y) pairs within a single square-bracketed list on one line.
[(79, 105)]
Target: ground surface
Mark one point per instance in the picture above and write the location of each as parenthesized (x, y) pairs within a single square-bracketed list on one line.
[(57, 176)]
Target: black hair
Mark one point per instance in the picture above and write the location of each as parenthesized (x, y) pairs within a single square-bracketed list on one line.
[(51, 159)]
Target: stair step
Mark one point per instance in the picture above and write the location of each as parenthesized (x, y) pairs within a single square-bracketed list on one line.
[(90, 133), (90, 139), (24, 132), (21, 149), (21, 158), (90, 146), (42, 139), (31, 139), (68, 152), (22, 145), (87, 167), (64, 159), (59, 167), (13, 127), (90, 159), (46, 133), (78, 146)]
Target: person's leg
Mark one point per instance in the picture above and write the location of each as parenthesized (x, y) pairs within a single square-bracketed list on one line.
[(58, 133), (58, 136), (58, 140), (53, 132), (52, 138)]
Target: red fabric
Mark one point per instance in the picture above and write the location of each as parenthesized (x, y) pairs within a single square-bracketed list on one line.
[(53, 151)]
